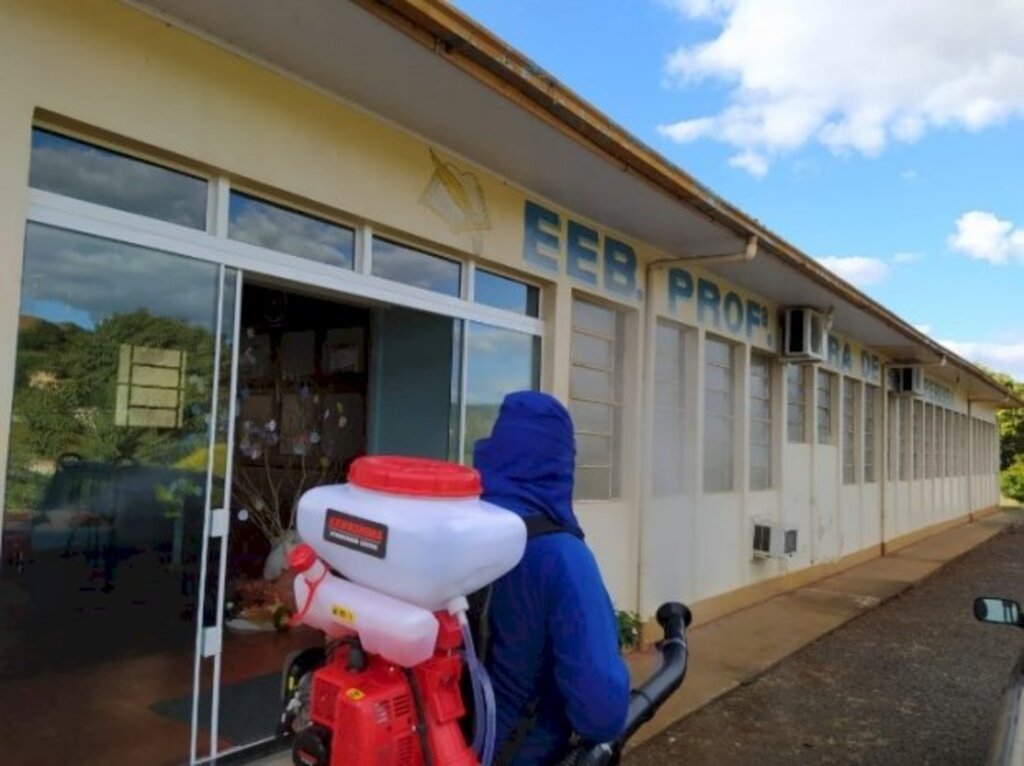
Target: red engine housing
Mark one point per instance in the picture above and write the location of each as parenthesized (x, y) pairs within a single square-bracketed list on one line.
[(374, 713)]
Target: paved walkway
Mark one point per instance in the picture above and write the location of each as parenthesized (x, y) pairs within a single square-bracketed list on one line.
[(915, 681), (737, 648)]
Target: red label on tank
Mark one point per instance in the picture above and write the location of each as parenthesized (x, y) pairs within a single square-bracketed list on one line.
[(358, 534)]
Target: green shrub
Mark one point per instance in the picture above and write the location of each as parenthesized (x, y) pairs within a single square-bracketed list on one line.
[(1012, 480), (630, 627)]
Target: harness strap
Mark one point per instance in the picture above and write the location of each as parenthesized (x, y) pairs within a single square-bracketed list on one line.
[(536, 526)]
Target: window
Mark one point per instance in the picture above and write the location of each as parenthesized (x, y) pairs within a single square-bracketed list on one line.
[(918, 439), (414, 267), (962, 440), (870, 429), (499, 361), (596, 398), (760, 421), (504, 293), (76, 169), (719, 415), (950, 428), (824, 407), (892, 436), (907, 439), (849, 431), (796, 404), (932, 440), (274, 227), (669, 428)]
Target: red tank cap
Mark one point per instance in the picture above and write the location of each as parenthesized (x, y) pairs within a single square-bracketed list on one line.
[(414, 476), (301, 558)]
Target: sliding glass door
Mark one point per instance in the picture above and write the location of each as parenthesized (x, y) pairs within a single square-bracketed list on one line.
[(120, 393)]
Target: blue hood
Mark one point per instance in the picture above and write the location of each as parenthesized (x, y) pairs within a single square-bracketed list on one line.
[(527, 463)]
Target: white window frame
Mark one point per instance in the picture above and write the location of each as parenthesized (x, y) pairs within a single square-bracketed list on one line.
[(872, 395), (829, 411), (620, 343), (734, 393), (769, 422), (849, 433), (800, 405)]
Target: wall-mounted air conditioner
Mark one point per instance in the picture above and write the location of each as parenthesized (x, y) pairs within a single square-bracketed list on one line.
[(907, 381), (804, 335), (773, 540)]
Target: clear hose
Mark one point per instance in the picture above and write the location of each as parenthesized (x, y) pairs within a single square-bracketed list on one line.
[(484, 706)]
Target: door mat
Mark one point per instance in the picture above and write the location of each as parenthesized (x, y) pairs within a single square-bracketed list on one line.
[(249, 709)]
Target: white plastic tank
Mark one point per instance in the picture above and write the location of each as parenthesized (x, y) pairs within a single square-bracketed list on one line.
[(399, 632), (412, 528)]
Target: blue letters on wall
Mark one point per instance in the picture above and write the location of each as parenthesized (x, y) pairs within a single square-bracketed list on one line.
[(587, 254)]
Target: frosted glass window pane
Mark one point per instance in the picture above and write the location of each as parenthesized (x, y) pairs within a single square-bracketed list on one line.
[(595, 383), (596, 319), (719, 412), (592, 417), (592, 384), (592, 351)]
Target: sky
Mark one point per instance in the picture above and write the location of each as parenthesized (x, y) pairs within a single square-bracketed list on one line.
[(884, 139)]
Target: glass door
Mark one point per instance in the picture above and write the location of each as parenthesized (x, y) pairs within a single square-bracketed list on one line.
[(118, 448)]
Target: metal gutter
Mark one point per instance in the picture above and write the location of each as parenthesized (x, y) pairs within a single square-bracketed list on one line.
[(472, 48)]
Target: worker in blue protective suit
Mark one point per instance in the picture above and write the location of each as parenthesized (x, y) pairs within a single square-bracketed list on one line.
[(553, 652)]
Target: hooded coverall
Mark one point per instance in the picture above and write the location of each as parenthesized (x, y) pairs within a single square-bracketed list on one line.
[(554, 635)]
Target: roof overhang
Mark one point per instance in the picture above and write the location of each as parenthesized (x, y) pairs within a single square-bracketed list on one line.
[(428, 68)]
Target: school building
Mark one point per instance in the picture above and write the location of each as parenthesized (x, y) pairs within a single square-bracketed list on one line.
[(245, 241)]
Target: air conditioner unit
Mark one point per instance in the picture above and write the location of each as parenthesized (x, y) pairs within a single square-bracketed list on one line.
[(907, 381), (804, 335), (773, 540)]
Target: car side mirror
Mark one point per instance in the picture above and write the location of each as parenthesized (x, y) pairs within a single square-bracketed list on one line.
[(1001, 611)]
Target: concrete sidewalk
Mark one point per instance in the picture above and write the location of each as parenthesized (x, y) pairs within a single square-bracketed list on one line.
[(737, 648)]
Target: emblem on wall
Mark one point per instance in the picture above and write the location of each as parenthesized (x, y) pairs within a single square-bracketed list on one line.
[(457, 198)]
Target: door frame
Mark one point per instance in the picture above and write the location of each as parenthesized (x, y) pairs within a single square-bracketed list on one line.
[(244, 260)]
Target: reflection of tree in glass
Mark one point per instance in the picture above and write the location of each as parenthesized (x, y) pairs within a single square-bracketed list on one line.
[(64, 400)]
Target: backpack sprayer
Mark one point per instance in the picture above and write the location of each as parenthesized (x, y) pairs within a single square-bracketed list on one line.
[(384, 570)]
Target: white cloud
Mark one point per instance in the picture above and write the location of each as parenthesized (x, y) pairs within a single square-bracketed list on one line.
[(857, 270), (986, 237), (849, 76), (925, 328), (700, 9), (907, 257), (909, 175), (754, 163), (1001, 357)]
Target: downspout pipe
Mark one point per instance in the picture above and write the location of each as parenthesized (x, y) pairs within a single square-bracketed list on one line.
[(650, 320)]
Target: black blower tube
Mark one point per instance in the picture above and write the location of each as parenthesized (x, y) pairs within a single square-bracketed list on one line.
[(644, 702)]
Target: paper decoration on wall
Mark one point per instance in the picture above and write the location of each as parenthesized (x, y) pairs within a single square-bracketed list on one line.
[(457, 197), (343, 350)]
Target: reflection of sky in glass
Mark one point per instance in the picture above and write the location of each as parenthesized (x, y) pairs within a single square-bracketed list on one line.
[(412, 267), (76, 278), (276, 228), (499, 362), (64, 166), (504, 293)]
